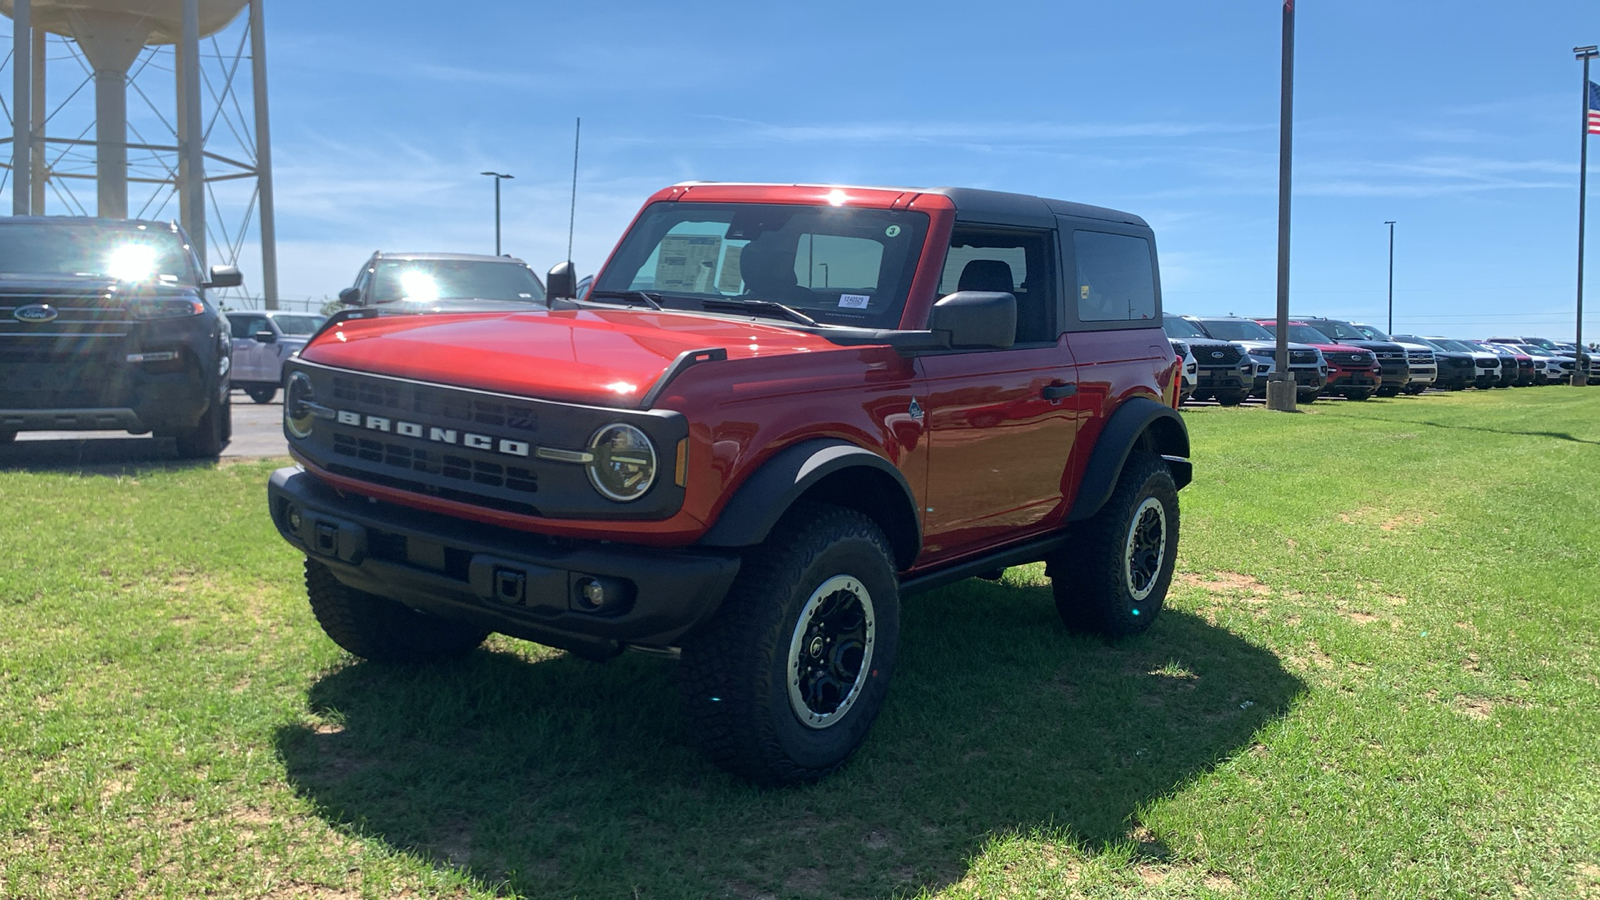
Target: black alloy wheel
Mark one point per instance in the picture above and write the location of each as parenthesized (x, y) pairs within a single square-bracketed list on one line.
[(262, 394)]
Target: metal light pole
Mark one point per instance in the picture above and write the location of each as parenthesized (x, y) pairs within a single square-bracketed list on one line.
[(498, 177), (1391, 275), (1280, 384), (1580, 372)]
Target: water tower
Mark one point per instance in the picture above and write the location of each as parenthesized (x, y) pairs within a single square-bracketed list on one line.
[(121, 42)]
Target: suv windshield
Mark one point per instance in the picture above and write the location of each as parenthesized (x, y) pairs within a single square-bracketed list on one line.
[(1340, 331), (1373, 334), (1235, 330), (455, 284), (126, 251), (837, 265), (1180, 328), (1301, 334), (1413, 339)]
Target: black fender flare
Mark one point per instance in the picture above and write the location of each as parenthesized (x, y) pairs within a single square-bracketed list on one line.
[(1132, 420), (768, 493)]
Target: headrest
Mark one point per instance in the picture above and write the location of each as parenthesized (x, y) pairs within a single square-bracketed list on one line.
[(766, 266), (986, 275)]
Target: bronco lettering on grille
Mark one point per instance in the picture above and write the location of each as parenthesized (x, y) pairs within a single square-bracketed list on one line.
[(436, 435)]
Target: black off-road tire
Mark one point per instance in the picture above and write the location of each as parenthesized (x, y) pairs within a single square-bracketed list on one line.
[(207, 438), (1112, 575), (262, 394), (1307, 396), (1389, 391), (381, 629), (1230, 398), (1358, 394), (780, 644)]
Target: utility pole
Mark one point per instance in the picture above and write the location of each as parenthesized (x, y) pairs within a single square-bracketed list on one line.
[(1280, 384), (498, 177), (1391, 275), (1580, 371)]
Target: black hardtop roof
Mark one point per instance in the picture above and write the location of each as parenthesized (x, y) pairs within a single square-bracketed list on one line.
[(976, 203)]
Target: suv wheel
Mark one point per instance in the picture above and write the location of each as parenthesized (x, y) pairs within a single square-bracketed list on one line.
[(1358, 394), (381, 629), (262, 394), (783, 683), (1230, 398), (1389, 391), (207, 438), (1112, 575)]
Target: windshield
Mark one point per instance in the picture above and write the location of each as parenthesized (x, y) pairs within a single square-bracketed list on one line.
[(125, 251), (1235, 330), (1413, 339), (1176, 327), (298, 325), (838, 265), (1450, 344), (1301, 334), (1373, 334), (445, 283), (1340, 331)]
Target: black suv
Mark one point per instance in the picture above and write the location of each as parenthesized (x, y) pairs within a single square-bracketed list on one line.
[(1225, 374), (105, 325), (1457, 368), (428, 282)]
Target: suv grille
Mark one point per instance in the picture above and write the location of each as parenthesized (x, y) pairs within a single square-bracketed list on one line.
[(1424, 357), (435, 404), (76, 317), (1351, 359), (1303, 357), (1390, 355), (1218, 356), (515, 478)]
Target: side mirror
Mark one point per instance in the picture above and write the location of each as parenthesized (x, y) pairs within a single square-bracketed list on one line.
[(265, 336), (350, 296), (562, 281), (225, 276), (976, 320)]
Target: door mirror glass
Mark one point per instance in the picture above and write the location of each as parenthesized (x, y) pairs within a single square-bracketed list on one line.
[(266, 336), (350, 296), (225, 276), (976, 320)]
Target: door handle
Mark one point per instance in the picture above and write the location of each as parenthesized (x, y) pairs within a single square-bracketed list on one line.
[(1059, 391)]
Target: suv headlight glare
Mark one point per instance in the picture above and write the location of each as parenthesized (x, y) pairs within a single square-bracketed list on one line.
[(297, 401), (624, 464)]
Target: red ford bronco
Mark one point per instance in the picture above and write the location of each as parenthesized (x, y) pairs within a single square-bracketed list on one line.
[(777, 410)]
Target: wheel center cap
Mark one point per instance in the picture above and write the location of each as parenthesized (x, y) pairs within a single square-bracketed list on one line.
[(815, 647)]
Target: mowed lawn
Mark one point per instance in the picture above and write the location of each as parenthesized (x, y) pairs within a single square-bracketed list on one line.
[(1376, 677)]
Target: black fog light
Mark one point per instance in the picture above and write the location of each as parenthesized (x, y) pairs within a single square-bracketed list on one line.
[(292, 516), (599, 594)]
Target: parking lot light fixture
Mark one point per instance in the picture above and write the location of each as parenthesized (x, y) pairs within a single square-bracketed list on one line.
[(498, 177)]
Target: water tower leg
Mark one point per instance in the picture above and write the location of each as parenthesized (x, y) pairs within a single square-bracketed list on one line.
[(269, 226), (21, 114), (36, 143), (191, 133), (111, 142)]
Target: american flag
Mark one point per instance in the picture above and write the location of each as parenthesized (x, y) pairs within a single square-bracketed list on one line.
[(1594, 108)]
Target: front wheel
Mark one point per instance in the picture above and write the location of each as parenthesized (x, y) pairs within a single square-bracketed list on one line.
[(262, 394), (207, 438), (1358, 394), (1230, 398), (1112, 575), (380, 629), (784, 683)]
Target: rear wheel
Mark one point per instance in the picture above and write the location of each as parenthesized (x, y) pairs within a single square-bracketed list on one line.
[(783, 684), (1112, 575), (381, 629), (262, 394)]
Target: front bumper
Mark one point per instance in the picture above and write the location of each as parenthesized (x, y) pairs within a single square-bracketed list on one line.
[(520, 584)]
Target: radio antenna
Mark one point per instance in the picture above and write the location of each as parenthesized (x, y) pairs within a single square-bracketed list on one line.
[(572, 214)]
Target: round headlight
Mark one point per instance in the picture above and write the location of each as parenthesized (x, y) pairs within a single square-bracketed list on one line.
[(624, 464), (297, 400)]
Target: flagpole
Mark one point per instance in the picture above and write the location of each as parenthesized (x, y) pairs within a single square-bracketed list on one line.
[(1580, 370), (1280, 384)]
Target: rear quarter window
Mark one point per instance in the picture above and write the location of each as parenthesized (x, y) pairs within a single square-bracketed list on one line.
[(1116, 278)]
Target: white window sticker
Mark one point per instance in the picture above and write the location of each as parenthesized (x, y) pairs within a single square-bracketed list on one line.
[(854, 301)]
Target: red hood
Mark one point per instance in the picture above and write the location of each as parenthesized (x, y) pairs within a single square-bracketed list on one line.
[(1340, 348), (600, 357)]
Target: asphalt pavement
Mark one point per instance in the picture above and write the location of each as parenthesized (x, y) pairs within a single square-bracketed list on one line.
[(257, 433)]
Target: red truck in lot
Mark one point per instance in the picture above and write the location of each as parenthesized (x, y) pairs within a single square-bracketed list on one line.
[(778, 409)]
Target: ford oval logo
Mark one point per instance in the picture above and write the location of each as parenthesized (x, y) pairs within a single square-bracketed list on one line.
[(38, 312), (1217, 354)]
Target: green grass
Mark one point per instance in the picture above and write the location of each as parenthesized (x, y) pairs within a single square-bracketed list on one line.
[(1376, 677)]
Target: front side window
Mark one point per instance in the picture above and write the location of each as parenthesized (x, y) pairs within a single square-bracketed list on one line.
[(299, 325), (1116, 280), (125, 251), (1235, 330), (838, 265), (1011, 262), (1181, 328)]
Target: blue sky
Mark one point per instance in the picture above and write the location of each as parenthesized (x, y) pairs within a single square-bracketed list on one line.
[(1459, 122)]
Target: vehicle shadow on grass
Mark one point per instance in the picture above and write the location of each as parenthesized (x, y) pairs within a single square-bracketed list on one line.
[(95, 456), (1558, 435), (560, 777)]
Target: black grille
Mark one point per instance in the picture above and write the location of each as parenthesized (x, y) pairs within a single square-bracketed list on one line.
[(1393, 355), (433, 404), (1420, 356), (1352, 359), (83, 317), (1302, 356), (1217, 356), (448, 465), (1459, 362)]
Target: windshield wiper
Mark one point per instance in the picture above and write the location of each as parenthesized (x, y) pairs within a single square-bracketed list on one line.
[(651, 300), (762, 307)]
